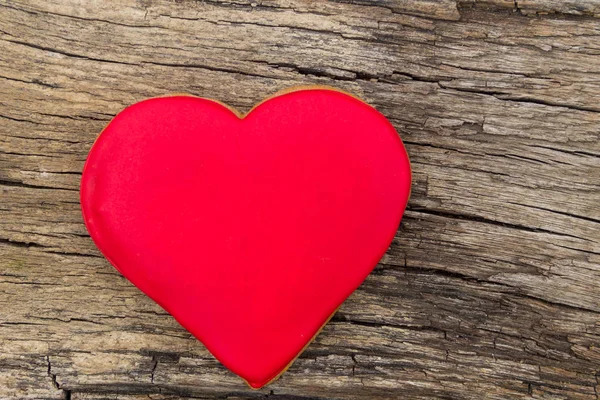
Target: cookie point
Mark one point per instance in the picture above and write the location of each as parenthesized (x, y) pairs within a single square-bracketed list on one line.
[(257, 385)]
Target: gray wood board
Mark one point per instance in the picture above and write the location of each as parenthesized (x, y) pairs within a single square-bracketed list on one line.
[(491, 288)]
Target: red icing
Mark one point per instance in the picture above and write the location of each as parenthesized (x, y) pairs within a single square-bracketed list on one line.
[(250, 232)]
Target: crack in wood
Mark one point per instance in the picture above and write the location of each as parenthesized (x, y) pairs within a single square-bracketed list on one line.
[(66, 394), (29, 186), (476, 218)]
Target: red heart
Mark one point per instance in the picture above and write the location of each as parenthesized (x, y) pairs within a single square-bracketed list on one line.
[(251, 231)]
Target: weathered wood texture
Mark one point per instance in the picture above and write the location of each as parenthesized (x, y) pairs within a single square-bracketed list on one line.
[(491, 288)]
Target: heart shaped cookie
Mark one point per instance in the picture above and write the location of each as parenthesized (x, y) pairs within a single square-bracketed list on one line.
[(250, 230)]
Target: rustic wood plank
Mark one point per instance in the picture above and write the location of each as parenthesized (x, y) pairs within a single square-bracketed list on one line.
[(540, 7), (490, 288)]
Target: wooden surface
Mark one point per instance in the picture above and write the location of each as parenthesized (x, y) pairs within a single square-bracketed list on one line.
[(491, 288)]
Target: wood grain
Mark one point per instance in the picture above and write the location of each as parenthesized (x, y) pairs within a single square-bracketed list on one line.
[(491, 288)]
